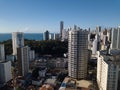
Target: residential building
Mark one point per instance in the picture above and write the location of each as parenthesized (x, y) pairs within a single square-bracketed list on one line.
[(23, 60), (118, 41), (98, 30), (61, 28), (46, 35), (77, 53), (2, 52), (108, 68), (115, 38), (5, 72), (32, 55), (56, 36), (17, 41), (94, 48), (64, 35)]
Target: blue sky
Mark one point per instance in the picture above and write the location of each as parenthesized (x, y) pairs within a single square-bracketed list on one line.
[(40, 15)]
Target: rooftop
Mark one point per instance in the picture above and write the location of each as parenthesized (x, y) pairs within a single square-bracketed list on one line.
[(112, 52), (73, 84), (112, 58), (51, 81), (4, 61)]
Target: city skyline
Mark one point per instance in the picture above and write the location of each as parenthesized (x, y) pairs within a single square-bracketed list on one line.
[(30, 16)]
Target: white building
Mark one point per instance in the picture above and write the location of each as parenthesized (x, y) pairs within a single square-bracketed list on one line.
[(98, 30), (108, 70), (17, 41), (42, 73), (61, 63), (32, 55), (64, 35), (2, 52), (118, 41), (23, 60), (77, 53), (5, 72), (94, 48), (56, 36), (115, 38)]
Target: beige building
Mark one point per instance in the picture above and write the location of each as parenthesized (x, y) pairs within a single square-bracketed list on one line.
[(23, 60), (78, 53)]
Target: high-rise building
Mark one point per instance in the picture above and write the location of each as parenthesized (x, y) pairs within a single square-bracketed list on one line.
[(94, 48), (2, 52), (17, 41), (23, 60), (32, 55), (64, 35), (98, 29), (115, 38), (5, 71), (56, 36), (78, 53), (108, 70), (46, 35), (118, 41), (61, 28)]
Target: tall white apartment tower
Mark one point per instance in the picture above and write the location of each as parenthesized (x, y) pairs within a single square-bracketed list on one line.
[(78, 53), (2, 52), (23, 60), (118, 41), (115, 38), (108, 70), (94, 48), (17, 41)]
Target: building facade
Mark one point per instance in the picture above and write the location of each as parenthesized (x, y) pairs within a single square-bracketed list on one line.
[(46, 35), (61, 28), (78, 53), (108, 70), (64, 35), (98, 30), (5, 71), (56, 36), (23, 60), (32, 55), (2, 52), (17, 41), (115, 38), (94, 45)]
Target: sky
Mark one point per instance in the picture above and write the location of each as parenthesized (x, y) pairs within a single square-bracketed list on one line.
[(37, 16)]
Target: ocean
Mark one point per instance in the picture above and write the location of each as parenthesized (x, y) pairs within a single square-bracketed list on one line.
[(30, 36)]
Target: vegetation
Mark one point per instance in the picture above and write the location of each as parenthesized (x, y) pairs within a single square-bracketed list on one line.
[(50, 47), (19, 88), (8, 46)]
